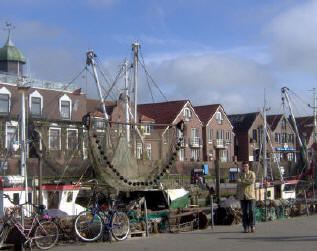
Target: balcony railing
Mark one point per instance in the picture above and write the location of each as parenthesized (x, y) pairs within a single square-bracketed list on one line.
[(195, 142), (220, 143)]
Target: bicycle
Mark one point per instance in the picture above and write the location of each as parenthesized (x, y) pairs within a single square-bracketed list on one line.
[(90, 224), (43, 232)]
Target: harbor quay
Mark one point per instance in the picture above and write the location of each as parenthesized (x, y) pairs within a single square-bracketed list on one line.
[(297, 233)]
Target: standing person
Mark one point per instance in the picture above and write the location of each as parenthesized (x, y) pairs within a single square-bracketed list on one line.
[(246, 194)]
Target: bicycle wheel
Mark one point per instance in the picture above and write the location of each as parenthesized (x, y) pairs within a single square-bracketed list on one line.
[(88, 226), (120, 226), (46, 234)]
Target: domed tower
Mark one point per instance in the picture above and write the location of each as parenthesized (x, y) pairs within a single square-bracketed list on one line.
[(11, 58)]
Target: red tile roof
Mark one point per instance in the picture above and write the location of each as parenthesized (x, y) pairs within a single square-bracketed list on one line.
[(162, 113), (205, 112)]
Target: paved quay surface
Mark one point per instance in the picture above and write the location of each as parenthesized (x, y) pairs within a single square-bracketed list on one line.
[(298, 233)]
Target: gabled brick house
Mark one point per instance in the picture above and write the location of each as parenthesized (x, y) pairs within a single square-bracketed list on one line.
[(248, 135), (218, 136), (173, 112), (282, 137)]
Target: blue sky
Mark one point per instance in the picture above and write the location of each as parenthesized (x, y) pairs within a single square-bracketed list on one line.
[(224, 52)]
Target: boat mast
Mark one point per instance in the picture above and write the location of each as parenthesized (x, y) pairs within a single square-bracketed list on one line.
[(284, 91), (264, 138), (90, 61), (135, 49), (315, 115), (126, 100)]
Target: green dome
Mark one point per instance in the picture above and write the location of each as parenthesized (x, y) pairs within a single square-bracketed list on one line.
[(10, 53)]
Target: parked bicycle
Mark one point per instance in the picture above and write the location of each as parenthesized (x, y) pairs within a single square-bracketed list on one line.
[(43, 232), (90, 224)]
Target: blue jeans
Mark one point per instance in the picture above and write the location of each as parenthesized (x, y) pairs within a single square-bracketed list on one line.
[(248, 211)]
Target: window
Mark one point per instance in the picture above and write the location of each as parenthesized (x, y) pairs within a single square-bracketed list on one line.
[(72, 139), (181, 155), (291, 138), (219, 134), (210, 136), (4, 103), (69, 197), (36, 103), (283, 124), (223, 155), (219, 117), (194, 136), (16, 199), (54, 139), (148, 150), (12, 134), (65, 109), (194, 154), (290, 156), (255, 135), (148, 129), (5, 97), (228, 135), (65, 104), (284, 137), (187, 114), (99, 123), (277, 137), (139, 150), (36, 106)]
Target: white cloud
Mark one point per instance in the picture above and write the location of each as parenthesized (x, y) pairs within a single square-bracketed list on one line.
[(294, 38), (212, 78)]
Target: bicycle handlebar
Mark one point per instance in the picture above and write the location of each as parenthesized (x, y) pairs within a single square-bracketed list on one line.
[(37, 206)]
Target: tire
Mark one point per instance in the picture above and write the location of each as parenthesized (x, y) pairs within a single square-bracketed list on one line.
[(120, 226), (46, 234), (88, 226)]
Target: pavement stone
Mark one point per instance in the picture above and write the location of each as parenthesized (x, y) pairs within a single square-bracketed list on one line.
[(298, 233)]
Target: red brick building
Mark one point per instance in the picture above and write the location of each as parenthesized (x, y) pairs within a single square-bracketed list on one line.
[(218, 136)]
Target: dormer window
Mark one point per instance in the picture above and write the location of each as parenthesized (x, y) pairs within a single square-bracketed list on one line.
[(65, 104), (5, 96), (36, 103), (148, 129), (187, 114), (219, 117)]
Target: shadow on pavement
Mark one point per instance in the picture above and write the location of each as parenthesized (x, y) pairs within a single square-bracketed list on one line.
[(276, 238)]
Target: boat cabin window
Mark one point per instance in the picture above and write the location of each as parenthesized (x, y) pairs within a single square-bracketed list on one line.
[(16, 199), (289, 187), (69, 197)]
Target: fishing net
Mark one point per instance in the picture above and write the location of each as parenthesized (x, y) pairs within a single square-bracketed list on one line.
[(127, 157)]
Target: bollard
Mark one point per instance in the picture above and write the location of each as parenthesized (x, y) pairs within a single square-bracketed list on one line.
[(146, 219), (212, 212)]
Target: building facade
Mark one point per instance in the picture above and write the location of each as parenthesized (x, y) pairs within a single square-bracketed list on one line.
[(218, 136)]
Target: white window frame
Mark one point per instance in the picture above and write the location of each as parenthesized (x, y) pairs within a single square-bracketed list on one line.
[(210, 136), (223, 155), (11, 124), (195, 154), (49, 138), (219, 117), (67, 99), (181, 155), (138, 150), (147, 129), (35, 94), (4, 90), (67, 131), (187, 114), (148, 149)]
